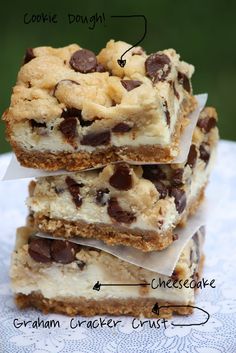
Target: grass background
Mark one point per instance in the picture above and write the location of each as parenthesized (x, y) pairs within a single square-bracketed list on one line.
[(202, 31)]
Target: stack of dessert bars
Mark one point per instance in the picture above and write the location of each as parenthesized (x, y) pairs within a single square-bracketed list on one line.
[(112, 135)]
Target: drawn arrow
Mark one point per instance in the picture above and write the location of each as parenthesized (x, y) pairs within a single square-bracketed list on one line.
[(121, 61), (156, 310), (97, 286)]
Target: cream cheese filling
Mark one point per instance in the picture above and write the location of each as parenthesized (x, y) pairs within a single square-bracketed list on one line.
[(157, 133), (68, 282), (56, 143)]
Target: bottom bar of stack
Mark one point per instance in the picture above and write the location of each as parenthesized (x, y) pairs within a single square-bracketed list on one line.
[(63, 277)]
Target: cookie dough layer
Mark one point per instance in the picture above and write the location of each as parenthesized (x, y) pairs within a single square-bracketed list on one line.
[(67, 116), (137, 206), (68, 288)]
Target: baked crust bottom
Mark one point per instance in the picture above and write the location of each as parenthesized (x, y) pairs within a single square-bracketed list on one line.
[(75, 161), (113, 235), (90, 307), (86, 307)]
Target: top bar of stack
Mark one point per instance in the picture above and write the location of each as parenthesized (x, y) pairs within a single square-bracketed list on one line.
[(73, 110)]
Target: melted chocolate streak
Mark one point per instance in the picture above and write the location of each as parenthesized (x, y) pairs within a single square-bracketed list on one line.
[(156, 308), (121, 61)]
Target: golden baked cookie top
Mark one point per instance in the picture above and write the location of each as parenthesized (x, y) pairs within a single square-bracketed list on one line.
[(53, 80)]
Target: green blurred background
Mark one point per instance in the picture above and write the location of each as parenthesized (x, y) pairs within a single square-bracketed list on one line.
[(202, 31)]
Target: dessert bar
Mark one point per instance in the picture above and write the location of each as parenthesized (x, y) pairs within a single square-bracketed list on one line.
[(137, 206), (63, 277), (73, 110)]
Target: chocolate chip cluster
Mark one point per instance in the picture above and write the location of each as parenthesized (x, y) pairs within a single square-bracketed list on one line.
[(49, 250)]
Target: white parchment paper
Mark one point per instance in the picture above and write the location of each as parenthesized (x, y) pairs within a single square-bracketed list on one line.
[(16, 171), (162, 262)]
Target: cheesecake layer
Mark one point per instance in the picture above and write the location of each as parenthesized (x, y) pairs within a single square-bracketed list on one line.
[(47, 272)]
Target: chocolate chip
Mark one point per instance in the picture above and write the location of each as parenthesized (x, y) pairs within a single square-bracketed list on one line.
[(102, 196), (63, 251), (29, 55), (76, 113), (74, 189), (96, 139), (157, 67), (81, 264), (161, 188), (129, 85), (68, 128), (84, 61), (100, 68), (180, 198), (206, 124), (84, 123), (167, 113), (121, 128), (176, 93), (115, 211), (177, 177), (121, 179), (204, 154), (39, 128), (58, 83), (184, 81), (192, 156), (153, 172), (36, 124), (71, 113), (39, 250)]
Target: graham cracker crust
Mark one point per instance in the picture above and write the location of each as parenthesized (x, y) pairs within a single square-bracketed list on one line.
[(113, 234), (86, 307), (89, 307), (75, 161)]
